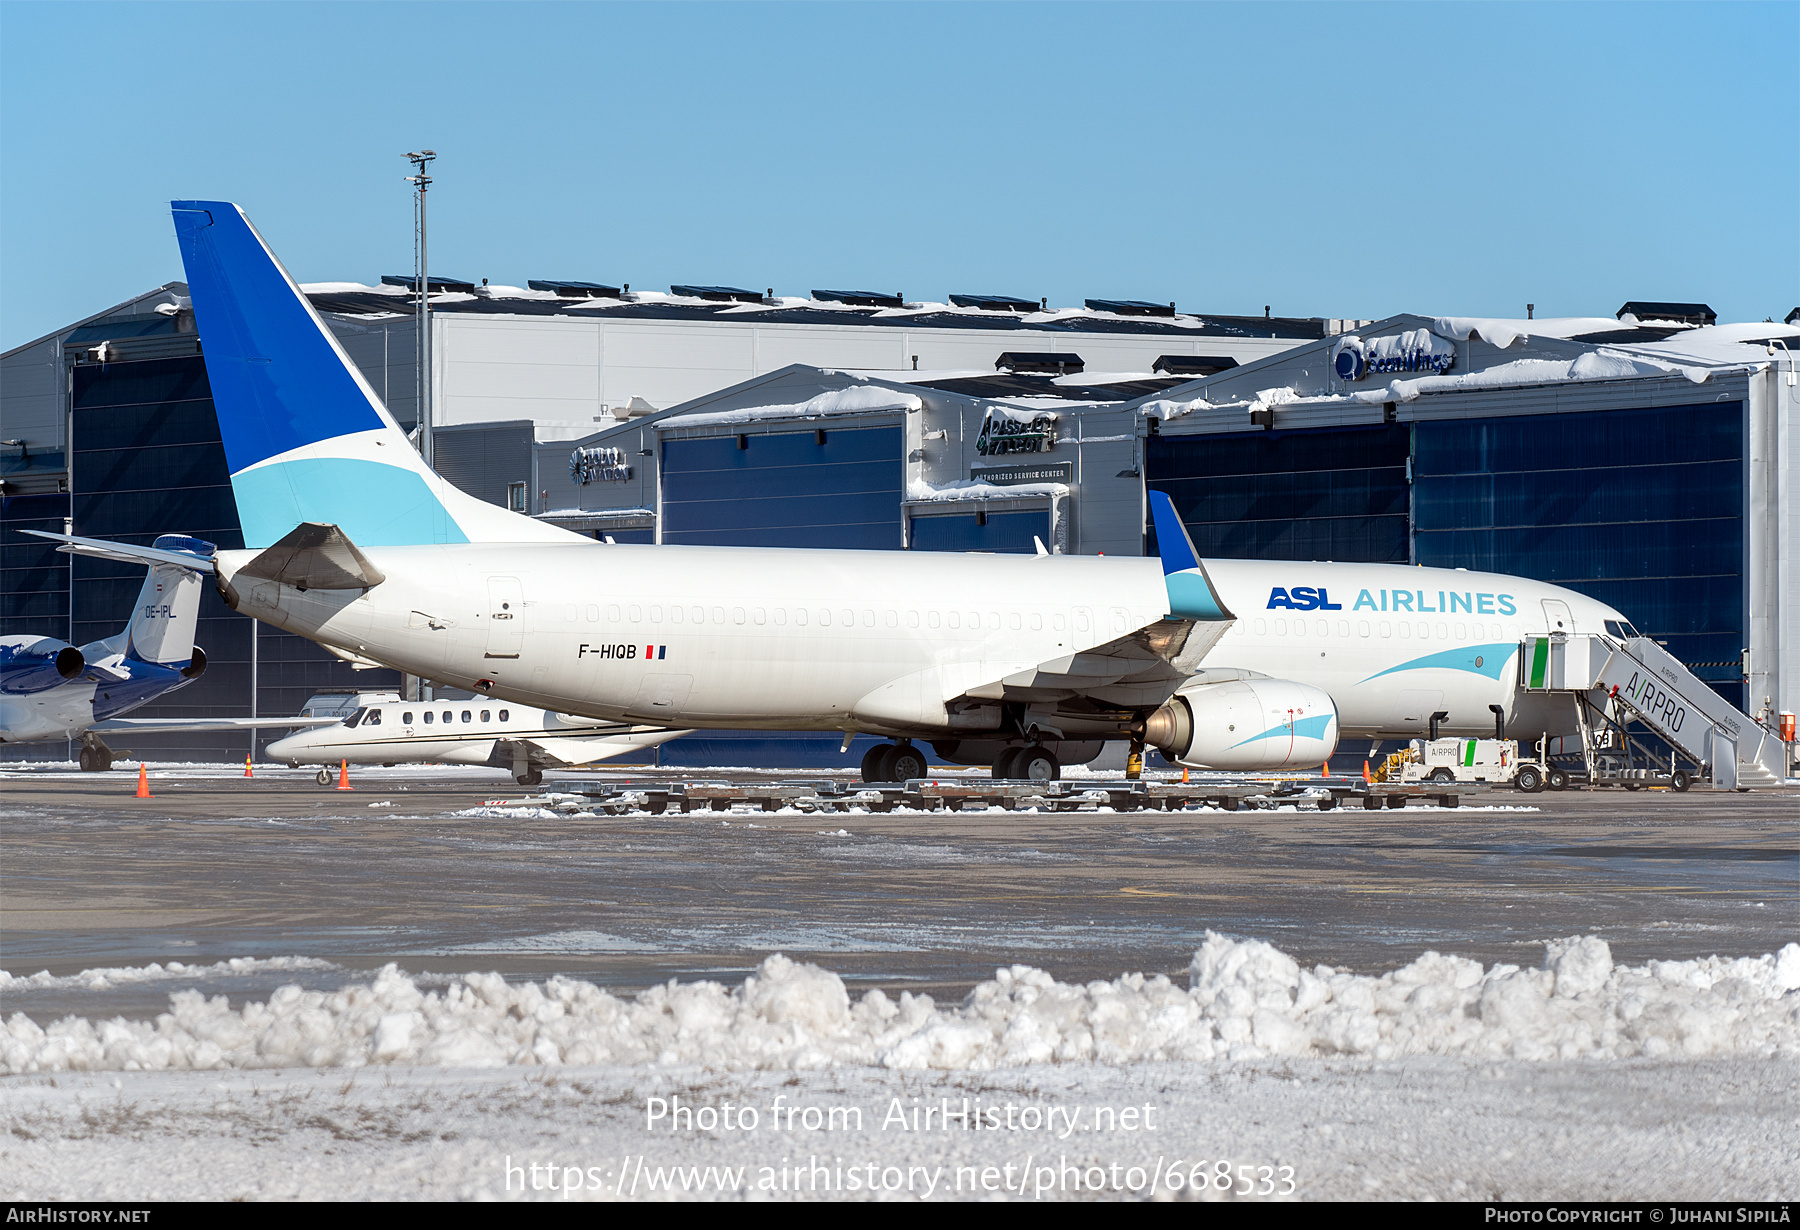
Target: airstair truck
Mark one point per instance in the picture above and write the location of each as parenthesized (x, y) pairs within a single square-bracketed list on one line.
[(1626, 687)]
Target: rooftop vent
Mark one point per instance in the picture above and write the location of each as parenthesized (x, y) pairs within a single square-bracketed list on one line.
[(438, 285), (1793, 317), (719, 294), (1192, 364), (995, 303), (1130, 307), (1020, 362), (861, 298), (576, 290), (1687, 313)]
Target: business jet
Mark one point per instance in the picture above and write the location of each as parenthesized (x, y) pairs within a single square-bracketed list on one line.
[(1023, 662), (523, 740), (50, 689)]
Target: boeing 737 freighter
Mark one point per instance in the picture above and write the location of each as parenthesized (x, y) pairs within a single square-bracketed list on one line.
[(1022, 662)]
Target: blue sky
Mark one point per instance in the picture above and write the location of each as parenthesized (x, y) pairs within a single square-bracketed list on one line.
[(1328, 160)]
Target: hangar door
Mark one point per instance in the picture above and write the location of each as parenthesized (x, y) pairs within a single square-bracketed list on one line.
[(835, 488)]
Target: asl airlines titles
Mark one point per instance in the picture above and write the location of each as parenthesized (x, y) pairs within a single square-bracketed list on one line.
[(1306, 598)]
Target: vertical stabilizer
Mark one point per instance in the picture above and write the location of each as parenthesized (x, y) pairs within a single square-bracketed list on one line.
[(306, 438)]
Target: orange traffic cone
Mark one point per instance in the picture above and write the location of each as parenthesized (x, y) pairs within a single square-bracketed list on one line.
[(1184, 773), (1367, 776), (344, 775), (1326, 771), (247, 772), (143, 782)]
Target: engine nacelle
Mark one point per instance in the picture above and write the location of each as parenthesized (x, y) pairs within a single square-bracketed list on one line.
[(1246, 724), (28, 666)]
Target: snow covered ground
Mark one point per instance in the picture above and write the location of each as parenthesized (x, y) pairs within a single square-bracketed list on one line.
[(1672, 1080)]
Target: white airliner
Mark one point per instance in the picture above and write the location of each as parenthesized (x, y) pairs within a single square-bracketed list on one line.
[(1022, 662), (49, 689), (500, 735)]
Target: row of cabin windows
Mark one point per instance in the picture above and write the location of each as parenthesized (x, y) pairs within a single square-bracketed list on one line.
[(1081, 618), (1325, 629), (372, 717)]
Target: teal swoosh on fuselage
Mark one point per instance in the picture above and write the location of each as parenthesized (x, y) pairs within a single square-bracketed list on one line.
[(1488, 660), (1305, 728)]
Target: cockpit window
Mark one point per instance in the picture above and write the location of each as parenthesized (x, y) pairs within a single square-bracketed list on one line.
[(1620, 628), (373, 718), (354, 718)]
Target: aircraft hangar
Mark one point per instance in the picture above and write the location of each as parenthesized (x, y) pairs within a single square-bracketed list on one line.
[(1646, 459)]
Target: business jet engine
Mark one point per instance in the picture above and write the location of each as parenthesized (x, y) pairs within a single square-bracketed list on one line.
[(28, 665), (1245, 721)]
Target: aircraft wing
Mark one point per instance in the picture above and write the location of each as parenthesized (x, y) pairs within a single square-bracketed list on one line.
[(1140, 669), (160, 726), (575, 751)]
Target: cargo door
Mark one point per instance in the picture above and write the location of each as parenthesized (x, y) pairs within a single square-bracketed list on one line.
[(506, 610)]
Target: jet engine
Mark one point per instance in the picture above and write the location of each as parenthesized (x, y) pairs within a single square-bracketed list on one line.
[(35, 666), (1246, 724)]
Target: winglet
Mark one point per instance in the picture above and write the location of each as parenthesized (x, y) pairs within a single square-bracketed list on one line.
[(1191, 592)]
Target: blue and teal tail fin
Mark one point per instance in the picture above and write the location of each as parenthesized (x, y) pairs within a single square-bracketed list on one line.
[(1191, 592), (306, 438)]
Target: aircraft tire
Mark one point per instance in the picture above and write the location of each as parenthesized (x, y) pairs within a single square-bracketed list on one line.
[(1004, 766), (94, 761), (531, 777), (1037, 764), (871, 762), (907, 763), (323, 777)]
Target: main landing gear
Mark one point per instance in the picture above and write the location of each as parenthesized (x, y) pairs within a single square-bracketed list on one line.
[(893, 762), (1033, 763)]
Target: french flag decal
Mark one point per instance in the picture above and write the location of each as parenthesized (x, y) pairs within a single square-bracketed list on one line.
[(652, 652)]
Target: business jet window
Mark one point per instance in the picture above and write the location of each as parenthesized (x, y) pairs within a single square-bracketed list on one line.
[(467, 716), (428, 717), (487, 715), (373, 718), (406, 718), (506, 715)]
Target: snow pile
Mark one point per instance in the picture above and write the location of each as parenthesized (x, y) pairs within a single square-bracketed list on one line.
[(1247, 1000), (858, 399), (1503, 333), (920, 491), (1602, 364), (1167, 409)]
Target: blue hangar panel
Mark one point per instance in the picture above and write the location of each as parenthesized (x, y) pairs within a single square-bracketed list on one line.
[(784, 489), (1322, 493), (1642, 509), (1007, 533)]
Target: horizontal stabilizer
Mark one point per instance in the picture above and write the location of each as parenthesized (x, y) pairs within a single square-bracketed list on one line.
[(315, 556), (128, 553)]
